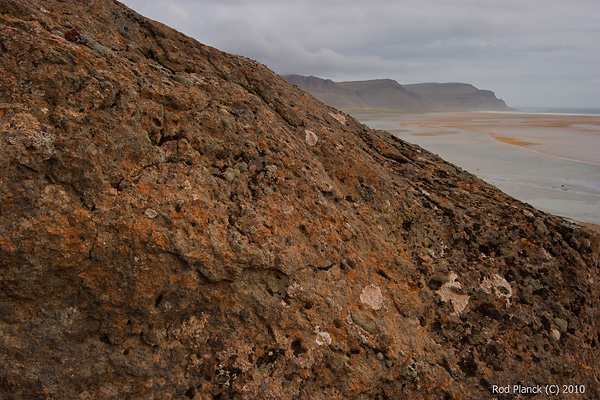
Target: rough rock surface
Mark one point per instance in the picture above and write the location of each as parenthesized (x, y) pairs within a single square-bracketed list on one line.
[(169, 228)]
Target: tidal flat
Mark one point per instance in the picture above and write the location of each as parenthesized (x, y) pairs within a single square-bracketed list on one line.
[(549, 161)]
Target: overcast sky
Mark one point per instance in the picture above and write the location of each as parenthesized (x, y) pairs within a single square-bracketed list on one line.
[(529, 52)]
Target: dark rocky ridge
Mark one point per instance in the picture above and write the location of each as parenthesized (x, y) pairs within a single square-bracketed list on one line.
[(387, 94), (177, 222), (384, 94), (458, 96)]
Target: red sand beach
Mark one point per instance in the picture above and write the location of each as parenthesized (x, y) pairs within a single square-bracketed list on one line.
[(549, 161)]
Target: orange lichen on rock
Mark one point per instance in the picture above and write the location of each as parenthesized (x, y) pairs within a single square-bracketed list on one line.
[(179, 221)]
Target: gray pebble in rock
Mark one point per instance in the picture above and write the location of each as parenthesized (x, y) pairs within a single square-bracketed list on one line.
[(329, 302), (270, 171), (561, 324), (241, 166), (229, 175)]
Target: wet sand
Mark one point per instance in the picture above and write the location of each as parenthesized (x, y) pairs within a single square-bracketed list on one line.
[(549, 161)]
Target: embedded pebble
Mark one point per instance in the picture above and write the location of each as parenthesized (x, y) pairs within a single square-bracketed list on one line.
[(561, 324), (329, 302), (339, 117), (323, 338), (363, 323), (540, 227), (229, 175), (270, 171), (183, 80), (311, 138), (241, 166)]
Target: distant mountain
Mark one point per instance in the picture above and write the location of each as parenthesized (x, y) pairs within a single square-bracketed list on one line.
[(458, 96), (380, 93), (387, 94)]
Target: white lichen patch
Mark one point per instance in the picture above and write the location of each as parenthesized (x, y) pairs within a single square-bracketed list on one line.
[(286, 207), (69, 316), (311, 138), (323, 338), (371, 296), (294, 289), (43, 140), (498, 286), (339, 117), (150, 213), (193, 331), (452, 291)]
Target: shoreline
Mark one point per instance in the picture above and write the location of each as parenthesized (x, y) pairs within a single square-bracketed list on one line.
[(594, 227)]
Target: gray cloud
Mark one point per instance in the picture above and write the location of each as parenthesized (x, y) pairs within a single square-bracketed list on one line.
[(530, 52)]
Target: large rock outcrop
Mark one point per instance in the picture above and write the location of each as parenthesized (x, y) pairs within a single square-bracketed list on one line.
[(176, 222)]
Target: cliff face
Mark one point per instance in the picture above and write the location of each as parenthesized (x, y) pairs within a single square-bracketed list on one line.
[(382, 94), (176, 222), (458, 96), (387, 94)]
